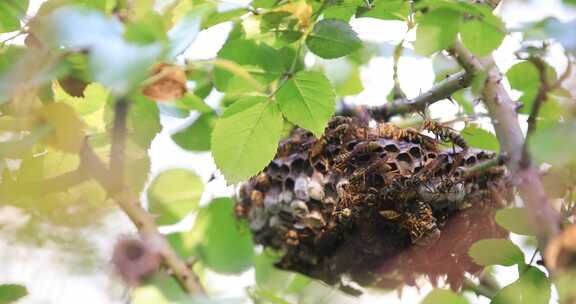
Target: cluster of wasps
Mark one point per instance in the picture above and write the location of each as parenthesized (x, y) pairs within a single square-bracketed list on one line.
[(349, 203)]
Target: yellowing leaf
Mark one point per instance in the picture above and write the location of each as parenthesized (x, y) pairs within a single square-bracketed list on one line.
[(301, 10), (68, 134)]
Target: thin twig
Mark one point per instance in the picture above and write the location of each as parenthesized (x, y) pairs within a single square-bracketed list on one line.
[(484, 166), (536, 105)]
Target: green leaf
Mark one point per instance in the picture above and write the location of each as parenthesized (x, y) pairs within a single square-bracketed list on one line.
[(145, 30), (95, 97), (174, 194), (137, 169), (480, 138), (91, 107), (245, 137), (388, 10), (219, 17), (269, 277), (436, 31), (545, 142), (533, 287), (496, 252), (265, 296), (197, 136), (225, 244), (144, 120), (264, 3), (464, 101), (308, 100), (194, 102), (442, 296), (514, 220), (481, 37), (298, 284), (283, 25), (10, 293), (160, 289), (523, 77), (183, 33), (332, 38), (342, 11), (352, 85), (262, 62), (10, 14)]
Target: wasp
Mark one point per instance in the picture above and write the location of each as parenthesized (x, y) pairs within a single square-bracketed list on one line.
[(240, 210), (406, 134), (292, 238), (445, 133), (420, 222), (390, 214), (318, 147), (448, 134), (262, 181), (379, 166), (364, 148), (257, 198)]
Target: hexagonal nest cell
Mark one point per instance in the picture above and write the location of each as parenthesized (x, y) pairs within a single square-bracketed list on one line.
[(376, 205)]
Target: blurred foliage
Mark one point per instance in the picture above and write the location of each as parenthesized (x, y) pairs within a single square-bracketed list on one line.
[(10, 293), (59, 88)]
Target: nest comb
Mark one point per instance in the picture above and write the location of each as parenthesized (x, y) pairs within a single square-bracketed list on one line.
[(377, 205)]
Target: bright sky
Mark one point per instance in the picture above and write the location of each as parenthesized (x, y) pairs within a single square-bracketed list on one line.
[(50, 281)]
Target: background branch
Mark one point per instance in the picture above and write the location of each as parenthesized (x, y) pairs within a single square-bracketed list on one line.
[(442, 90), (501, 108)]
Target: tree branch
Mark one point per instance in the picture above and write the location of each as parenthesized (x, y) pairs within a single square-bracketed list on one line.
[(501, 108), (118, 136), (442, 90), (113, 181), (143, 221)]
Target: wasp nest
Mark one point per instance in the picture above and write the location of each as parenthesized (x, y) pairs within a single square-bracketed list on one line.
[(378, 205)]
